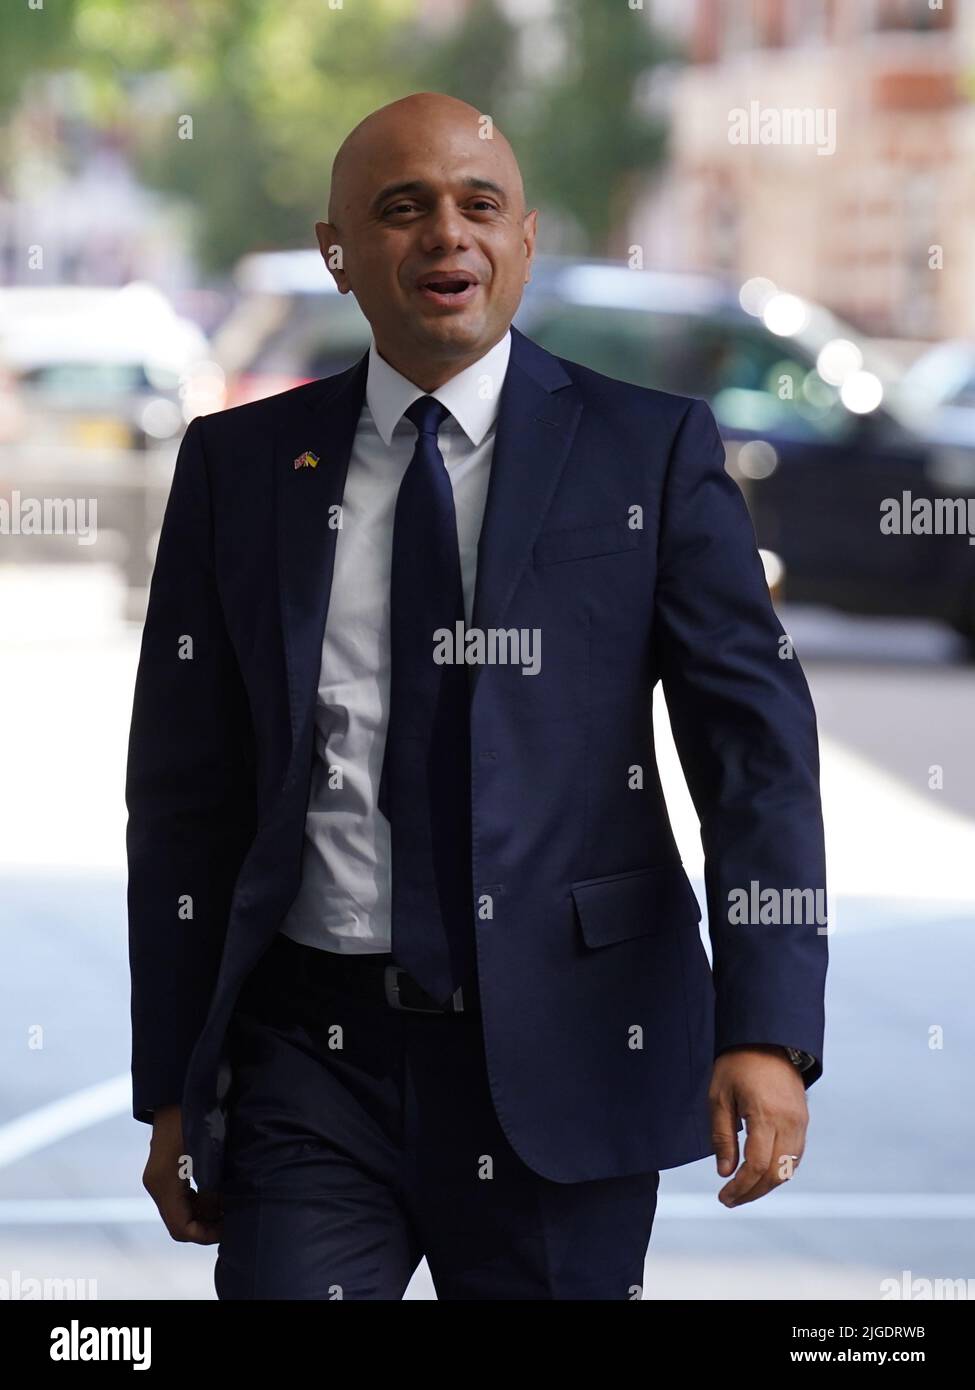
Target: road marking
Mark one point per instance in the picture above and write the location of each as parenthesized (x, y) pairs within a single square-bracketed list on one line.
[(53, 1122), (72, 1211), (813, 1206), (824, 1206)]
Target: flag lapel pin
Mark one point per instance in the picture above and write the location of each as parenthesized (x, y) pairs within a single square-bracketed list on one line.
[(307, 460)]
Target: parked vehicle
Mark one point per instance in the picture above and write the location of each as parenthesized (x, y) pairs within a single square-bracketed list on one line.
[(96, 387), (814, 422), (939, 388), (289, 325), (88, 369)]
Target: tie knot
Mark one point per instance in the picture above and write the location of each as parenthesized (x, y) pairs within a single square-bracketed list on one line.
[(427, 413)]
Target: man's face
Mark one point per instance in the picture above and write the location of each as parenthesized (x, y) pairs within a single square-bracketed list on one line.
[(435, 243)]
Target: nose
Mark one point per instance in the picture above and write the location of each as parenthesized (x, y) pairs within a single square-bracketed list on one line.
[(446, 229)]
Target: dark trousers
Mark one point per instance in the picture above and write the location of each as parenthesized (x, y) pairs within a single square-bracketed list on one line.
[(362, 1138)]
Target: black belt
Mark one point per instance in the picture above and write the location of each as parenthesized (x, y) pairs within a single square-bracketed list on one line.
[(374, 975)]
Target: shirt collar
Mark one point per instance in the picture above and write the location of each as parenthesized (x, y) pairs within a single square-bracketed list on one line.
[(389, 393)]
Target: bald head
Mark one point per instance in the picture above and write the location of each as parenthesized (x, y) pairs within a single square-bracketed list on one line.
[(424, 118), (427, 228)]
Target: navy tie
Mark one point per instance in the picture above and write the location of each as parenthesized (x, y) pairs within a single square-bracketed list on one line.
[(425, 787)]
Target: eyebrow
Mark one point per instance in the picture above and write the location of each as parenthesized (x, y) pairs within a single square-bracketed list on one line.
[(419, 186)]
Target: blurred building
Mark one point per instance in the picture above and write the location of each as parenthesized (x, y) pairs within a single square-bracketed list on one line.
[(854, 226), (73, 210)]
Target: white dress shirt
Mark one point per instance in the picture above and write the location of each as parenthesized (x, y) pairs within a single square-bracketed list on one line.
[(344, 900)]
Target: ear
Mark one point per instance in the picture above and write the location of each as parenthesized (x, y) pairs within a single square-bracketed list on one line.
[(332, 254), (531, 227)]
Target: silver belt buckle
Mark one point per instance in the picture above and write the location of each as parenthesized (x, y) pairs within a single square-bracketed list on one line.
[(391, 976)]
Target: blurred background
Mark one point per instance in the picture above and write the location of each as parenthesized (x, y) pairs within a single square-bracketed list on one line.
[(766, 203)]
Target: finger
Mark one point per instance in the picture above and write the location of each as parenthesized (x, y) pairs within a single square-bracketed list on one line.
[(204, 1233), (787, 1149), (790, 1142), (724, 1135), (764, 1181), (780, 1168), (175, 1205), (759, 1148)]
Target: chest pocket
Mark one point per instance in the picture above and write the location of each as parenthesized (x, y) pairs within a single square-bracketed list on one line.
[(580, 542)]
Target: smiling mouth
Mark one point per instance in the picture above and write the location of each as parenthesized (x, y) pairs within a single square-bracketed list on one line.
[(447, 289), (447, 286)]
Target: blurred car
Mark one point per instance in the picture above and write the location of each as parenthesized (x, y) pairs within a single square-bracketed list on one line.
[(91, 369), (96, 386), (289, 325), (939, 388), (815, 426)]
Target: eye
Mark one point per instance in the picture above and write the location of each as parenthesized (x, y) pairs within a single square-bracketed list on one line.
[(484, 203), (395, 208)]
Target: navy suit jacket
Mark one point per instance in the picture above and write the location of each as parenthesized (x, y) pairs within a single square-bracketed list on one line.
[(612, 527)]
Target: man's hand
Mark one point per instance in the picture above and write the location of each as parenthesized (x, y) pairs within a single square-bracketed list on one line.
[(188, 1215), (760, 1085)]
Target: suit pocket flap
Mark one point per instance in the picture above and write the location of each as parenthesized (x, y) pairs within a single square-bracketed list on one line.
[(579, 541), (636, 903)]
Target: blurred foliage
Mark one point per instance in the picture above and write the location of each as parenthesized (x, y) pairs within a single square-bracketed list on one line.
[(575, 118), (476, 60), (584, 135), (273, 88)]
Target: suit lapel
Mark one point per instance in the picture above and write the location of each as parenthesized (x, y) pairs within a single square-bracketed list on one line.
[(537, 420), (306, 534)]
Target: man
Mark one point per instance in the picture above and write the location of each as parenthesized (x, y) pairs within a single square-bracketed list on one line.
[(416, 967)]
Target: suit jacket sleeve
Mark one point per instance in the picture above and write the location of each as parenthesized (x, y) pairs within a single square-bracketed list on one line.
[(745, 731), (189, 791)]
